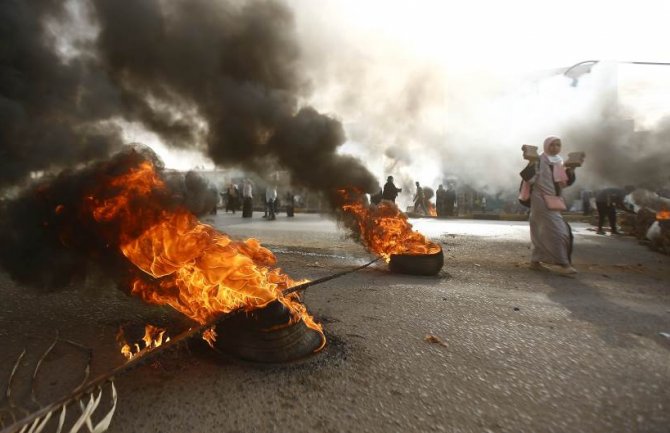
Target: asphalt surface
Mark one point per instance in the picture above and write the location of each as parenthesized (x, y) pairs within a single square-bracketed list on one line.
[(522, 350)]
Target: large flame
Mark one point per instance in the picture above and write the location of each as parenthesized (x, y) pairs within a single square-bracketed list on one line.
[(196, 270), (384, 229)]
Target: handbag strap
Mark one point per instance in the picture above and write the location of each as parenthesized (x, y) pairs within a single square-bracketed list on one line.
[(557, 188)]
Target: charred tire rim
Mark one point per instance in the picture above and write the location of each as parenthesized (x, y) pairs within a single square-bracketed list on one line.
[(417, 264), (263, 336)]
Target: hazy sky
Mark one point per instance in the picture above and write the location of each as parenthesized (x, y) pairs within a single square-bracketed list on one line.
[(429, 90), (513, 34)]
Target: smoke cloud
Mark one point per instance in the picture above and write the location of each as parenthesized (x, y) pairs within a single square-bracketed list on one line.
[(467, 124), (49, 109), (223, 77), (49, 235), (237, 81)]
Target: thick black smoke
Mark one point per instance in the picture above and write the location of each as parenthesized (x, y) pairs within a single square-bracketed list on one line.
[(618, 155), (221, 76), (48, 109), (235, 66), (49, 236), (193, 191)]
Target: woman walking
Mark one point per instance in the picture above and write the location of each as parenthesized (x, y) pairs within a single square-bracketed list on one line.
[(550, 235)]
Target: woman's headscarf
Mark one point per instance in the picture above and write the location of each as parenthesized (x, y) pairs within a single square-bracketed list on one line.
[(559, 171), (555, 159)]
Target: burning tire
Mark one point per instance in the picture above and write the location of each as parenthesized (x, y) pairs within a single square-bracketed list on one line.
[(265, 336), (417, 264)]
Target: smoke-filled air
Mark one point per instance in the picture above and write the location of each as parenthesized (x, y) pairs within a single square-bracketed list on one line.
[(334, 97), (305, 86)]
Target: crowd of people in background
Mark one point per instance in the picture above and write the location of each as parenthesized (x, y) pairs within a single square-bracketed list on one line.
[(233, 200), (447, 201)]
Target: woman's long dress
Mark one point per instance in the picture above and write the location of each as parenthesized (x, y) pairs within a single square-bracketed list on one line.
[(550, 235)]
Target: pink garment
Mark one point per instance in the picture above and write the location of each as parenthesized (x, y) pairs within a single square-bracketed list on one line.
[(524, 192), (559, 171)]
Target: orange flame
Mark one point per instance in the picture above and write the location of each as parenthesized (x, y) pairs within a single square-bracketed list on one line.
[(209, 335), (197, 270), (663, 215), (153, 337), (384, 229), (431, 209)]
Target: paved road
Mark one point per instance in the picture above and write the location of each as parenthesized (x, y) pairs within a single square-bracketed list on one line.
[(525, 351)]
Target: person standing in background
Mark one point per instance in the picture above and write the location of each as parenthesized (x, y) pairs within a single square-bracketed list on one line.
[(441, 201), (420, 200), (270, 198), (450, 200), (607, 202), (390, 191), (247, 199)]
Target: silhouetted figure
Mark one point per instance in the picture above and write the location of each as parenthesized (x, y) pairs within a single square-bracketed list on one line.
[(390, 191), (270, 202), (290, 204), (449, 200), (607, 202), (247, 199), (232, 198), (440, 201), (420, 200)]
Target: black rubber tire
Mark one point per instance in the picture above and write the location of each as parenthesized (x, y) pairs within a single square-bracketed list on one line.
[(263, 336), (417, 264)]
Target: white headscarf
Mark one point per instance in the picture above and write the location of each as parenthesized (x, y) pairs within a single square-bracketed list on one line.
[(555, 159)]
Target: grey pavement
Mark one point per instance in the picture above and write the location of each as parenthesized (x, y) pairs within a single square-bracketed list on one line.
[(524, 351)]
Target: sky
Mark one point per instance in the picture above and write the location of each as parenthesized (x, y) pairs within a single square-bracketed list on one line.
[(518, 35)]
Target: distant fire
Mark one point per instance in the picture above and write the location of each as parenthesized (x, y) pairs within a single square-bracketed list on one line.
[(193, 268), (663, 215), (384, 229), (431, 209)]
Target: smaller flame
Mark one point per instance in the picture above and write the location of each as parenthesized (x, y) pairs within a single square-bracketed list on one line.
[(153, 337), (431, 209), (663, 215), (210, 336), (384, 229)]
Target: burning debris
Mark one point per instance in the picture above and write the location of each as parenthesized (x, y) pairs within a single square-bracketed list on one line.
[(651, 221), (121, 217), (121, 212), (659, 232), (385, 231), (268, 335), (153, 337)]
